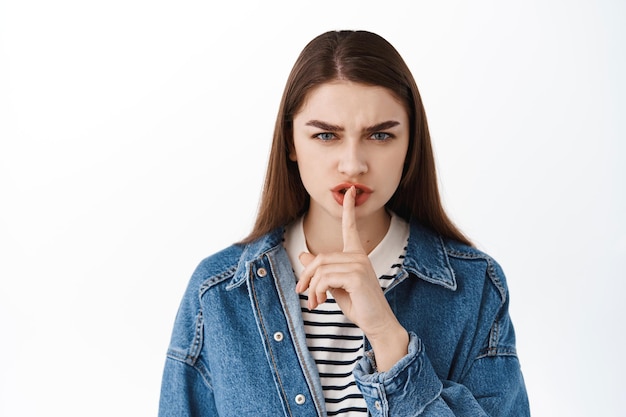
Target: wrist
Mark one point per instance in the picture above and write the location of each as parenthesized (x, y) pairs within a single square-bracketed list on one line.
[(389, 347)]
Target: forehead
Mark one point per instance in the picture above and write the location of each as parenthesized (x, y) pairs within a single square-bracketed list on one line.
[(344, 100)]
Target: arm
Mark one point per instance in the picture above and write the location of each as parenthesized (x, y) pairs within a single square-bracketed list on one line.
[(186, 388), (493, 386), (401, 380)]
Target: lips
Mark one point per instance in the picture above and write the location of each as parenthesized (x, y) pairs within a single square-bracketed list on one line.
[(362, 193)]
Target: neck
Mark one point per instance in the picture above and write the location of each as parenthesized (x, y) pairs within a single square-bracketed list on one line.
[(324, 235)]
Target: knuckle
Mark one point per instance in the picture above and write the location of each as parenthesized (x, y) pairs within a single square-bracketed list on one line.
[(322, 259), (319, 274)]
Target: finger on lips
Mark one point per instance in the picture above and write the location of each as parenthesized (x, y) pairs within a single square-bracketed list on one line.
[(350, 234), (351, 244)]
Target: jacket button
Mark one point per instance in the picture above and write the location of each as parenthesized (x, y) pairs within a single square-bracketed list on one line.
[(262, 272), (377, 405), (278, 336), (300, 399)]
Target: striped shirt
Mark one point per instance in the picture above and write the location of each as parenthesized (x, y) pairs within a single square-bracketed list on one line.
[(335, 343)]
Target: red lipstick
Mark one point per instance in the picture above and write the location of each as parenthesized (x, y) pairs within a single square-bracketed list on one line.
[(362, 192)]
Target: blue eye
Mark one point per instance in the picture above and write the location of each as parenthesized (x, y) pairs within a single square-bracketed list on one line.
[(380, 136), (326, 136)]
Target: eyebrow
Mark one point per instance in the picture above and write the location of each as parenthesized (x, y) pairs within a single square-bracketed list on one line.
[(334, 128)]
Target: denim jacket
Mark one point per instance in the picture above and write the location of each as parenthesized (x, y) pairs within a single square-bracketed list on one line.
[(238, 346)]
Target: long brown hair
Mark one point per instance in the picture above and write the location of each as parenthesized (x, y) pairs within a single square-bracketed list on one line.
[(366, 58)]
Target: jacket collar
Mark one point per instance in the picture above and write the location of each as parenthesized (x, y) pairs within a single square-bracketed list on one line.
[(426, 255), (254, 251), (427, 258)]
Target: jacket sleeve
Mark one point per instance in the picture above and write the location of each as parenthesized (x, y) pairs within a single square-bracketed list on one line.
[(186, 389), (493, 386), (185, 392)]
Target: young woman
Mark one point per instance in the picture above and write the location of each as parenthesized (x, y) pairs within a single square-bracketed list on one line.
[(354, 294)]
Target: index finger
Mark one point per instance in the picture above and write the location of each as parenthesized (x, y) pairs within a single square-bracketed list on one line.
[(351, 239)]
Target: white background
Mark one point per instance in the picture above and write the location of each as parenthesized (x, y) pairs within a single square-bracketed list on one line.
[(133, 143)]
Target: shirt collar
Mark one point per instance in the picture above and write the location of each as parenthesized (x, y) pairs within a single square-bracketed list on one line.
[(426, 255), (382, 257)]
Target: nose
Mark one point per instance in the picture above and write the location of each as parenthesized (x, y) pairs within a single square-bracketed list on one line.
[(352, 160)]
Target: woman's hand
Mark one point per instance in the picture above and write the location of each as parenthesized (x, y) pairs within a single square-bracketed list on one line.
[(350, 278)]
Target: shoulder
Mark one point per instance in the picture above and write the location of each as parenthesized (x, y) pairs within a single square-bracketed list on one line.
[(212, 270), (190, 316), (228, 267), (218, 266), (231, 263)]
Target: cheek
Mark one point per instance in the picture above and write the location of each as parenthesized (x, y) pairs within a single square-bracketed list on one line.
[(306, 166), (394, 165), (393, 160), (309, 157), (298, 150)]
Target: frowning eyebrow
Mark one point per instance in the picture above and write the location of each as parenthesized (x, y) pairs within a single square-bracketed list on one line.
[(334, 128), (324, 126)]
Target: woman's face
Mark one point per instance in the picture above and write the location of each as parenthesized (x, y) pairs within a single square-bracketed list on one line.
[(350, 134)]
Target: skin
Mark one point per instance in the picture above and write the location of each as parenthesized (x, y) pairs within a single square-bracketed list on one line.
[(347, 148)]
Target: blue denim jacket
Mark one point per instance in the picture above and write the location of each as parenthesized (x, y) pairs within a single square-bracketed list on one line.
[(238, 347)]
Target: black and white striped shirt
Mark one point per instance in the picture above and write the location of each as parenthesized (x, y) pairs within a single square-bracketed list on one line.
[(335, 343)]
